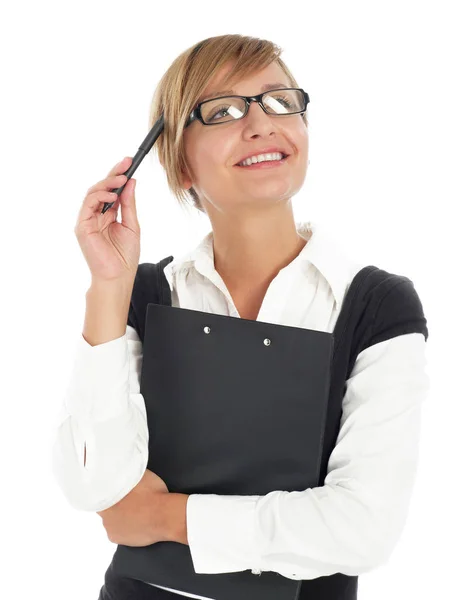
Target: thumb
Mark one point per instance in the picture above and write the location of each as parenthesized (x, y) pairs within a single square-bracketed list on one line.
[(128, 206)]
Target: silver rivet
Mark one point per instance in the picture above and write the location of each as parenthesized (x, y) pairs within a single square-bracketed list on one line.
[(207, 329), (267, 342)]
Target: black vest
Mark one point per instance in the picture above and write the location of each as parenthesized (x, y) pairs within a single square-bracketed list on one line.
[(377, 306)]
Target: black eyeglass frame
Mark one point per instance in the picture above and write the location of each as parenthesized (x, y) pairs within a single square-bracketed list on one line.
[(196, 113)]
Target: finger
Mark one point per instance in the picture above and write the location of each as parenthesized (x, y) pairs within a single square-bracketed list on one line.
[(93, 204), (128, 206), (121, 166), (116, 171), (110, 183)]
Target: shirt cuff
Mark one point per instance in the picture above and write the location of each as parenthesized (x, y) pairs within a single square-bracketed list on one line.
[(221, 533), (99, 384)]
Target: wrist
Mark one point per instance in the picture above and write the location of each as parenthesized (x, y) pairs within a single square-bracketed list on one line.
[(122, 285), (175, 511), (107, 308)]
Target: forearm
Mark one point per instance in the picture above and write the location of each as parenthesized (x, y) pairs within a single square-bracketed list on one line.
[(107, 306)]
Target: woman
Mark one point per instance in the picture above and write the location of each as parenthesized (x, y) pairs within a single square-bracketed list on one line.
[(255, 264)]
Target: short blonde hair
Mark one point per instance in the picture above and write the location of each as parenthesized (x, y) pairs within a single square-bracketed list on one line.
[(183, 83)]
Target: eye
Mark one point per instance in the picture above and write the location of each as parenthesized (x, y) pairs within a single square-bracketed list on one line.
[(217, 110)]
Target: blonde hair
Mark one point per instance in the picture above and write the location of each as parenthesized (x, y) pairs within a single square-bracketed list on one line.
[(182, 84)]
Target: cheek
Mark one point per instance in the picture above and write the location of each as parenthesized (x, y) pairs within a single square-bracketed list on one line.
[(211, 169), (207, 153), (303, 149), (302, 136), (213, 156)]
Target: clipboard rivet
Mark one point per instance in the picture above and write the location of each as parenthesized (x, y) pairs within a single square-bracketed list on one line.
[(267, 342), (207, 329)]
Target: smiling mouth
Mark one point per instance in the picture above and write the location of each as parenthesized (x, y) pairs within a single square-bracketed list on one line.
[(270, 162)]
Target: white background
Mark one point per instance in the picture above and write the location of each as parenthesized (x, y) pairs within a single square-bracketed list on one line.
[(391, 146)]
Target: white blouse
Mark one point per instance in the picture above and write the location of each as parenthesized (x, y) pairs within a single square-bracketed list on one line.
[(349, 525)]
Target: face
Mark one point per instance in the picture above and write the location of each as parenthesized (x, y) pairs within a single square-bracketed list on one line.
[(213, 151)]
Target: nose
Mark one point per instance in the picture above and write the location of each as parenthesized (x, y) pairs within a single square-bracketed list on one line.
[(255, 107), (256, 113)]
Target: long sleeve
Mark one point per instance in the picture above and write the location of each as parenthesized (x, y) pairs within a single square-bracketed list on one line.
[(351, 523), (104, 412)]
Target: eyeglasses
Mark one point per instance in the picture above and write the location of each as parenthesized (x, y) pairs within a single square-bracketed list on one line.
[(278, 103)]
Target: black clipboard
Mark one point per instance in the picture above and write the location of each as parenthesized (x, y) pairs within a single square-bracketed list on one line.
[(234, 406)]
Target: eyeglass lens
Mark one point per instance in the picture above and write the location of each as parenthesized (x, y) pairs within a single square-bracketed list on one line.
[(276, 102)]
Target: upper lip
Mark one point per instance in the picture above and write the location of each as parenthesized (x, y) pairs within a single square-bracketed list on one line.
[(263, 151)]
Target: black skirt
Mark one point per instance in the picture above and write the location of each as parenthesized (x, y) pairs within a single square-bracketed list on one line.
[(334, 587), (124, 588)]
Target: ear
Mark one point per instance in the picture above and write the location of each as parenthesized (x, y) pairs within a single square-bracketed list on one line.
[(185, 181)]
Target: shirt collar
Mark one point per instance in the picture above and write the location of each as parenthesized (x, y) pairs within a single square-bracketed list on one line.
[(322, 252)]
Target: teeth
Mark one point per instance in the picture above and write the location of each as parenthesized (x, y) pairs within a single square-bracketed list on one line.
[(260, 158)]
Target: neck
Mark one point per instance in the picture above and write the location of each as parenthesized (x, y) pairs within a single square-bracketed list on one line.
[(252, 251)]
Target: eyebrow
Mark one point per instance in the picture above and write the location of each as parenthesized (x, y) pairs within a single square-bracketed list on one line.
[(265, 87)]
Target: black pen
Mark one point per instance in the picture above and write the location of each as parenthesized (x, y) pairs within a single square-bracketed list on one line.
[(143, 150)]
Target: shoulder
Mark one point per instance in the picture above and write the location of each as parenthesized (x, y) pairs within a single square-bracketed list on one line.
[(148, 287), (393, 307)]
